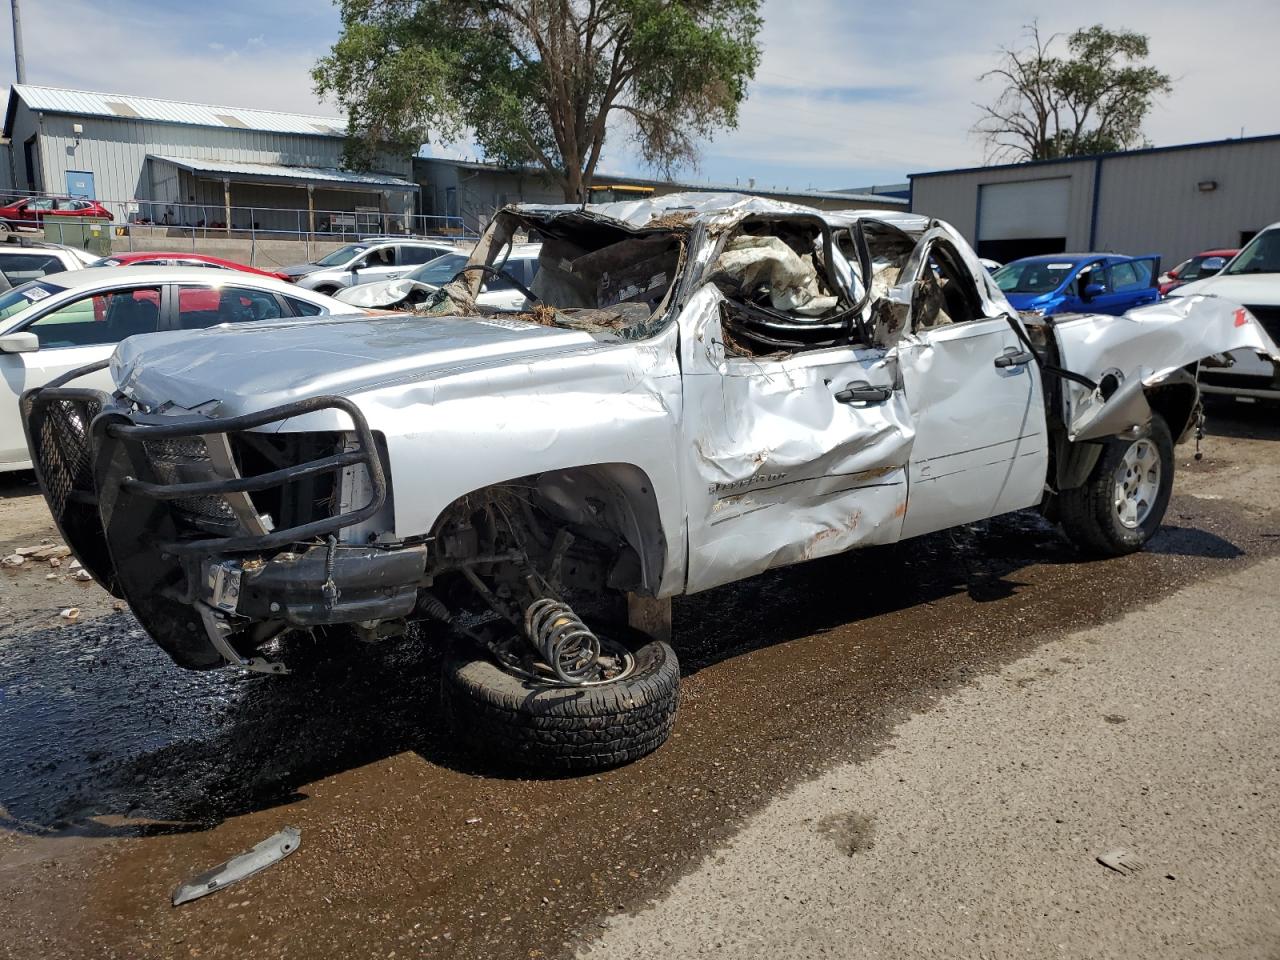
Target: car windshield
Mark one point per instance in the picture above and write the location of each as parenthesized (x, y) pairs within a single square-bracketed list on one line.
[(1195, 268), (1260, 255), (439, 271), (13, 302), (342, 255), (1033, 276)]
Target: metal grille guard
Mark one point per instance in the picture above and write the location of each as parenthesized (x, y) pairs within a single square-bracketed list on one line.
[(366, 454)]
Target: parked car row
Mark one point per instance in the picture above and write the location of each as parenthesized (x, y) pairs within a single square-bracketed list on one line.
[(1061, 284)]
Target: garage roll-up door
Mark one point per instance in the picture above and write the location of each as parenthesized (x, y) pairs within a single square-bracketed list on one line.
[(1024, 210)]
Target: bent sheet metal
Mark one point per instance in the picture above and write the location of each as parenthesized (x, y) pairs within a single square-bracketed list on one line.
[(271, 850)]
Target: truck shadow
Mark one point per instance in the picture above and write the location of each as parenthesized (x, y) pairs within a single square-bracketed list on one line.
[(103, 736)]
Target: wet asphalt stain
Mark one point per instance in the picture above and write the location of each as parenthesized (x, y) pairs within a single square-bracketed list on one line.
[(409, 846)]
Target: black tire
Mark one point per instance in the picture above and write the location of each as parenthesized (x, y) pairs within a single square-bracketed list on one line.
[(1088, 514), (507, 718), (327, 291)]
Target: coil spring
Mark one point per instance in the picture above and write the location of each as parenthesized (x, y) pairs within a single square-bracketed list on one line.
[(567, 644)]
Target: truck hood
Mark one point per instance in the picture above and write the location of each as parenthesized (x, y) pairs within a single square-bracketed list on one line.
[(232, 370), (1259, 288)]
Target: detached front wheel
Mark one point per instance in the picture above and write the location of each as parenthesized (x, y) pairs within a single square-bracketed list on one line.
[(510, 711), (1123, 503)]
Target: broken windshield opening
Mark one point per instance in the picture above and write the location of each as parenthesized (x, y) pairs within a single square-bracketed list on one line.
[(592, 275)]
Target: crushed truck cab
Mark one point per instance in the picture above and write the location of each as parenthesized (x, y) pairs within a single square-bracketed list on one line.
[(694, 390)]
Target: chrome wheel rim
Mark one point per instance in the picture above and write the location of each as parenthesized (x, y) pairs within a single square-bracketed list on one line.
[(1137, 483)]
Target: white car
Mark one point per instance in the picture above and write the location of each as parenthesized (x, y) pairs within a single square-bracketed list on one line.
[(497, 291), (366, 261), (30, 260), (1252, 278), (67, 320)]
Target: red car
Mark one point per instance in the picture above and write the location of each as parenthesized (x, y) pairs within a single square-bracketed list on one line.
[(190, 299), (1202, 265), (153, 259), (29, 212)]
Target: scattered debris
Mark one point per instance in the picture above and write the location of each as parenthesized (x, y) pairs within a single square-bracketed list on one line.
[(12, 560), (71, 613), (51, 576), (471, 821), (1115, 717), (44, 551), (82, 575), (118, 605), (275, 848), (1121, 861), (55, 562), (75, 564)]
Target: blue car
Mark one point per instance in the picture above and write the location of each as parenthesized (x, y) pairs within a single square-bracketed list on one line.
[(1080, 283)]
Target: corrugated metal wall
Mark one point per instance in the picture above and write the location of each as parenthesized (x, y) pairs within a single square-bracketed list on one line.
[(953, 197), (115, 151), (1152, 202), (1148, 202)]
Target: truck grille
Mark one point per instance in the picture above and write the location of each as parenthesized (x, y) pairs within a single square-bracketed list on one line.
[(183, 460)]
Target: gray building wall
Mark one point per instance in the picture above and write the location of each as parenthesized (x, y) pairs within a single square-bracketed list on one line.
[(1148, 201), (954, 197), (115, 151), (1151, 202)]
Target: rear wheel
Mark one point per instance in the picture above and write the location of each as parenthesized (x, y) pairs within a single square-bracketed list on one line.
[(1123, 503), (510, 713), (327, 291)]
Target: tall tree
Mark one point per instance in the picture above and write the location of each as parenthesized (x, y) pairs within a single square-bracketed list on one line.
[(541, 82), (1093, 100)]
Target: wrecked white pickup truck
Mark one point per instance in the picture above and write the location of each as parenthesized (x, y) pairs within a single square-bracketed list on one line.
[(700, 388)]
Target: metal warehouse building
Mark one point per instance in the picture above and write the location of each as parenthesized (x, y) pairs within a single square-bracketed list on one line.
[(193, 164), (1174, 201)]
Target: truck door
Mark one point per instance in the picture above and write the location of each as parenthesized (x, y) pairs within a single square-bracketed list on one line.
[(789, 454), (974, 392)]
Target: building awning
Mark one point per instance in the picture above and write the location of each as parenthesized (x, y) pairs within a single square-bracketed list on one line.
[(331, 178)]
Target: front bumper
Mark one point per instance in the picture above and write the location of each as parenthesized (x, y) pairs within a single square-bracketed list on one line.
[(159, 512)]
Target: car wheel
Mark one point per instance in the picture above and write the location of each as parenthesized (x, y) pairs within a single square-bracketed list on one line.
[(4, 226), (1122, 504), (509, 715), (327, 291)]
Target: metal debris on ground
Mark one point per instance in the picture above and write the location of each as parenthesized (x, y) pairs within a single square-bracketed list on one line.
[(271, 850), (1121, 861), (71, 613)]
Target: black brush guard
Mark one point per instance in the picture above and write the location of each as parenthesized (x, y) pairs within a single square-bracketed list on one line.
[(91, 462)]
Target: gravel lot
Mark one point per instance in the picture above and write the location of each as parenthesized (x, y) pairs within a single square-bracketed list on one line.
[(872, 759)]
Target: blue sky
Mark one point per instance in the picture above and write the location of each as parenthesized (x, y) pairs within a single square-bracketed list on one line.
[(847, 93)]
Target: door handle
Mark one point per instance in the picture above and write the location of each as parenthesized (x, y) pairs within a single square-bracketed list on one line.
[(1013, 357), (862, 392)]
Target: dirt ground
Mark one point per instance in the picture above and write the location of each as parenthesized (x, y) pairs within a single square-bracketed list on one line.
[(123, 776), (35, 594)]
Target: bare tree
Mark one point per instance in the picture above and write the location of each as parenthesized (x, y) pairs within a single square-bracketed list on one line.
[(1091, 101)]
